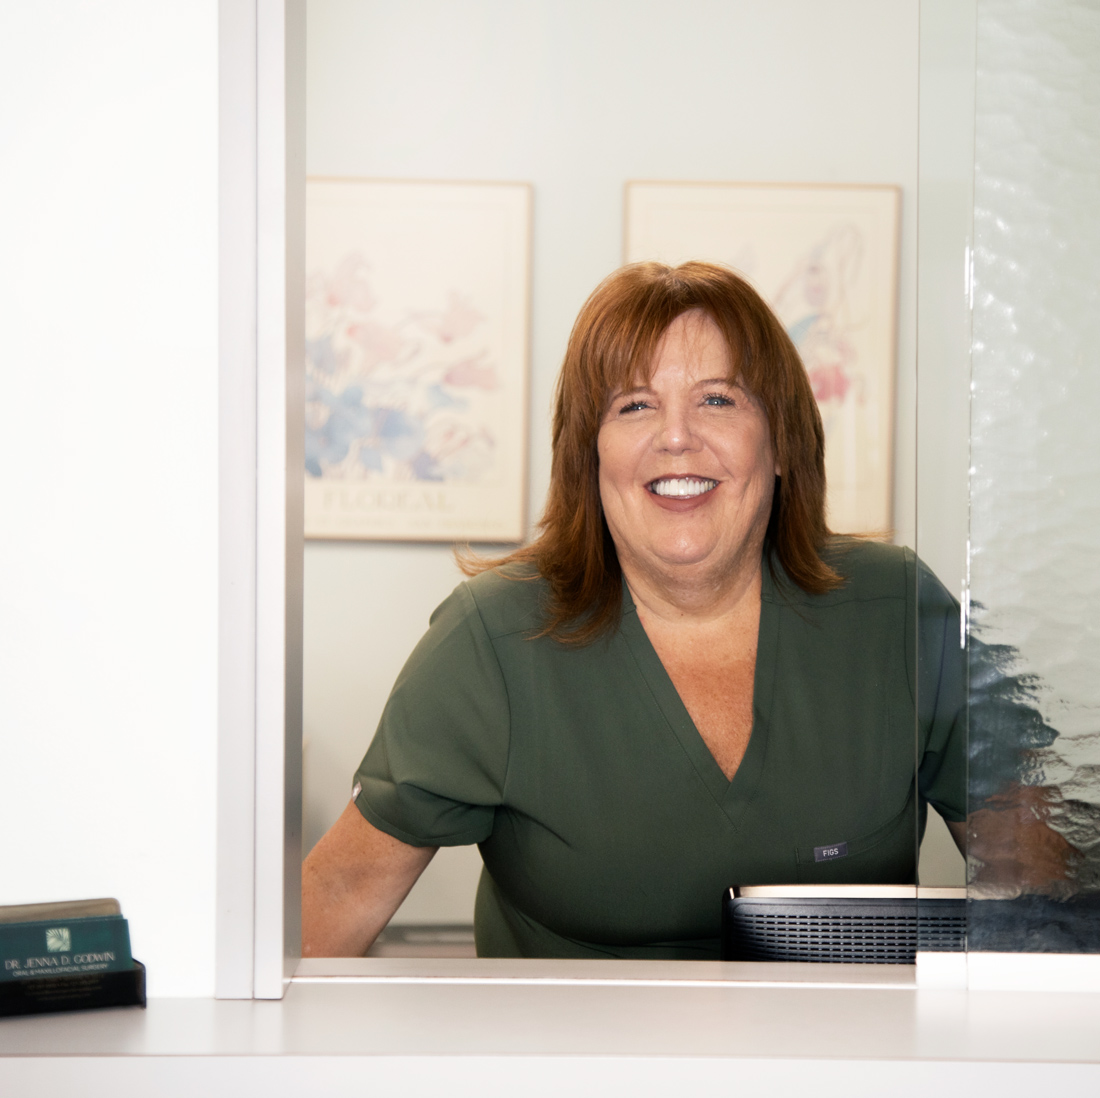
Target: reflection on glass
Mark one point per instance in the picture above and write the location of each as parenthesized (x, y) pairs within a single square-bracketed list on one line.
[(1034, 825), (941, 716)]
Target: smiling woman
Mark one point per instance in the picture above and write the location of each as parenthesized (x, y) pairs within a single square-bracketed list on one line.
[(685, 682)]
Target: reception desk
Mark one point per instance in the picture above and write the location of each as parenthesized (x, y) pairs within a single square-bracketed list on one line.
[(568, 1028)]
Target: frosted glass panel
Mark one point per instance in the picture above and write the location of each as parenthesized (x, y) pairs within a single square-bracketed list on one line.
[(1035, 480)]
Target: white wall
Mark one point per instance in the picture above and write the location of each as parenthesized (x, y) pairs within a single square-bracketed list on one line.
[(108, 605), (575, 96)]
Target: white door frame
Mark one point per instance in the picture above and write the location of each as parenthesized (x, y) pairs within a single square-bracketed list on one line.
[(261, 407)]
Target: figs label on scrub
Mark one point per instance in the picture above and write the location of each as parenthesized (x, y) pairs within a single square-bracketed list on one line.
[(828, 853)]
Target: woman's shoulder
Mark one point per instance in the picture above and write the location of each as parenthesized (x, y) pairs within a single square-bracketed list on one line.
[(869, 569), (508, 599), (878, 570)]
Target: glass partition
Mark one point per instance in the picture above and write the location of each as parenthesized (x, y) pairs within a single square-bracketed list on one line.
[(579, 98), (945, 195), (1009, 387), (1034, 658)]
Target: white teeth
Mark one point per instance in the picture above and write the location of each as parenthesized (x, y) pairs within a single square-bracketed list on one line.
[(682, 487)]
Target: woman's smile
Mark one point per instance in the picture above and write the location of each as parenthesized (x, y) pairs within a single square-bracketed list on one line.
[(681, 487)]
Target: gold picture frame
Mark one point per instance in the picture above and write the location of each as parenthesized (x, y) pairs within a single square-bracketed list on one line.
[(417, 301)]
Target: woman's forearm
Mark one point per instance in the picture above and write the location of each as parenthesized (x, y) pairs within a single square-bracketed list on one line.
[(352, 882)]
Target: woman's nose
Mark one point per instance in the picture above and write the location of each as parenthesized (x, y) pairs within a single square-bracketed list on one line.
[(675, 432)]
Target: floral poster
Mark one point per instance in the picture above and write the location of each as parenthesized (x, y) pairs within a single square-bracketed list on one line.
[(416, 360), (826, 259)]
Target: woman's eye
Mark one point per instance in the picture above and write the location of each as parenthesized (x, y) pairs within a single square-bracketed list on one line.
[(717, 400), (632, 406)]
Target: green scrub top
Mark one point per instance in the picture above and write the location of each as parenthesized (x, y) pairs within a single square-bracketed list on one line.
[(606, 827)]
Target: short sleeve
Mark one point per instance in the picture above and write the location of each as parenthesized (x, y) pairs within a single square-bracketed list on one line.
[(434, 773), (941, 698)]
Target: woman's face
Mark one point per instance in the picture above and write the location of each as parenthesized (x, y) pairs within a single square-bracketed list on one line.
[(687, 466)]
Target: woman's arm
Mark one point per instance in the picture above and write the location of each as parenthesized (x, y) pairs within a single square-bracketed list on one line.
[(352, 882), (958, 833), (1014, 850)]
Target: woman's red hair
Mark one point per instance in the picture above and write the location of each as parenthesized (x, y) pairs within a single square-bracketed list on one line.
[(612, 347)]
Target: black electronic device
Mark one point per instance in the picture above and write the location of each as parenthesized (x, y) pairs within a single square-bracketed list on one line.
[(861, 924)]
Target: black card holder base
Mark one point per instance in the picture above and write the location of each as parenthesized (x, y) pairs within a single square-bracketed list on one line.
[(47, 994)]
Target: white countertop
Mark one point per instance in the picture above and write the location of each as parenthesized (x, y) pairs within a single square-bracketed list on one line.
[(564, 1026)]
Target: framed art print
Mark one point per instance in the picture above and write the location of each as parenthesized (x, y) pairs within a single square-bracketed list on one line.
[(826, 259), (416, 359)]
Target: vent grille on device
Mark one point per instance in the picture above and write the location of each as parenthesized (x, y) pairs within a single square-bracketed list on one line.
[(834, 929)]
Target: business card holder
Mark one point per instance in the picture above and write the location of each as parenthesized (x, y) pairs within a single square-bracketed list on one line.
[(46, 994)]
